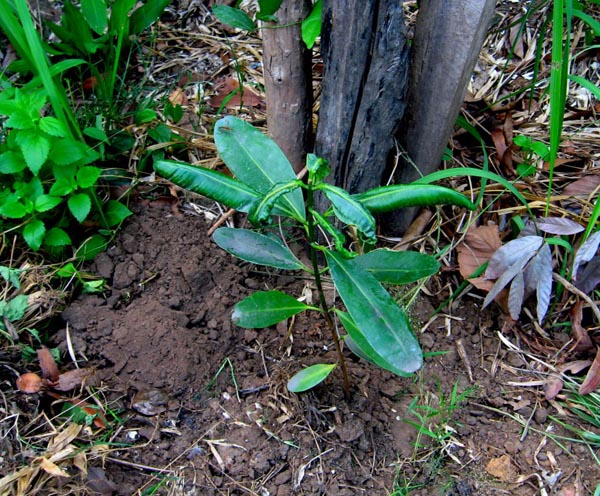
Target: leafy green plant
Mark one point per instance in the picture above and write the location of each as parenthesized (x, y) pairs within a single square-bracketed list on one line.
[(42, 170), (267, 189)]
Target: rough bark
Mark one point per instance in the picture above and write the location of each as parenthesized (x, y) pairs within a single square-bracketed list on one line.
[(287, 73), (448, 39), (365, 57)]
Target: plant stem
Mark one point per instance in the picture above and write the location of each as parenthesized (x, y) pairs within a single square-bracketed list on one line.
[(317, 275)]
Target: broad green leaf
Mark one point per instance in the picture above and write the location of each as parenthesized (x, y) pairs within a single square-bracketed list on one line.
[(384, 325), (95, 133), (67, 270), (15, 309), (266, 308), (80, 205), (318, 168), (57, 237), (144, 116), (256, 248), (13, 209), (262, 210), (233, 17), (66, 151), (11, 275), (349, 210), (91, 247), (256, 160), (33, 233), (43, 203), (35, 149), (147, 14), (359, 345), (53, 127), (119, 17), (269, 7), (310, 377), (388, 198), (206, 182), (96, 14), (311, 26), (87, 176), (11, 162), (115, 213), (398, 267)]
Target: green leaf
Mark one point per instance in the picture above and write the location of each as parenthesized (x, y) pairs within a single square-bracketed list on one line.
[(384, 325), (95, 133), (68, 270), (57, 237), (43, 203), (310, 377), (318, 168), (256, 248), (80, 205), (144, 116), (266, 308), (359, 345), (349, 210), (96, 14), (53, 127), (119, 17), (262, 210), (115, 213), (35, 149), (66, 151), (233, 17), (269, 7), (311, 26), (147, 14), (15, 309), (87, 176), (11, 275), (33, 233), (256, 160), (398, 267), (13, 209), (388, 198), (587, 84), (206, 182), (91, 247), (11, 162)]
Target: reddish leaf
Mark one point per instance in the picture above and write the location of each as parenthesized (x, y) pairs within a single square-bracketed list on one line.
[(72, 379), (559, 225), (230, 86), (553, 386), (584, 186), (479, 245), (48, 364), (580, 334), (592, 379)]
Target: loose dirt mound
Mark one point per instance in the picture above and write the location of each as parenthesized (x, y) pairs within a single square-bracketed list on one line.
[(205, 410)]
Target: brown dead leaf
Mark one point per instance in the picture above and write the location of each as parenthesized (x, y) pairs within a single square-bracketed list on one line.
[(479, 245), (71, 379), (229, 86), (592, 379), (582, 339), (178, 97), (48, 364), (502, 468), (575, 366), (584, 186), (52, 468), (98, 483), (552, 387), (499, 142)]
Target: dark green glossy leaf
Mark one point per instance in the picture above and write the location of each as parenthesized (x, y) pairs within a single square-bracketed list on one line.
[(96, 14), (309, 377), (388, 198), (398, 267), (269, 7), (318, 168), (206, 182), (147, 14), (256, 248), (349, 210), (256, 160), (233, 17), (266, 308), (384, 325), (262, 210)]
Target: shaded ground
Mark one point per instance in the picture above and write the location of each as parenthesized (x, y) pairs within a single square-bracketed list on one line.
[(220, 420)]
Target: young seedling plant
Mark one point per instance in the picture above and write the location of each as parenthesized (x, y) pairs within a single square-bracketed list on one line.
[(266, 188)]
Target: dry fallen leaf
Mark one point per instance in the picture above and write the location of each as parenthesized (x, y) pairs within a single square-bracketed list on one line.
[(592, 379), (30, 383), (226, 88), (584, 186), (48, 364), (501, 468), (553, 386), (580, 334), (479, 245), (71, 379)]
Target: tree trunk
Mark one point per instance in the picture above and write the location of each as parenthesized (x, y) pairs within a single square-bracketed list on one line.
[(288, 84), (365, 56), (448, 39)]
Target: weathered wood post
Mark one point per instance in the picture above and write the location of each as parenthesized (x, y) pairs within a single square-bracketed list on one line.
[(288, 82)]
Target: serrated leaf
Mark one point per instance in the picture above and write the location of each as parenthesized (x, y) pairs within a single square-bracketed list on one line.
[(233, 17), (518, 250), (384, 325), (96, 14), (256, 160), (311, 26), (53, 127), (256, 248), (57, 237), (516, 295), (558, 225), (235, 194), (43, 203), (13, 209), (115, 213), (33, 234), (87, 176), (350, 211), (266, 308), (66, 151), (35, 149), (11, 162), (80, 205), (586, 252), (310, 377), (398, 267)]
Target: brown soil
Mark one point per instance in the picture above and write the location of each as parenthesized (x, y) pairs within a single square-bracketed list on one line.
[(204, 407)]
